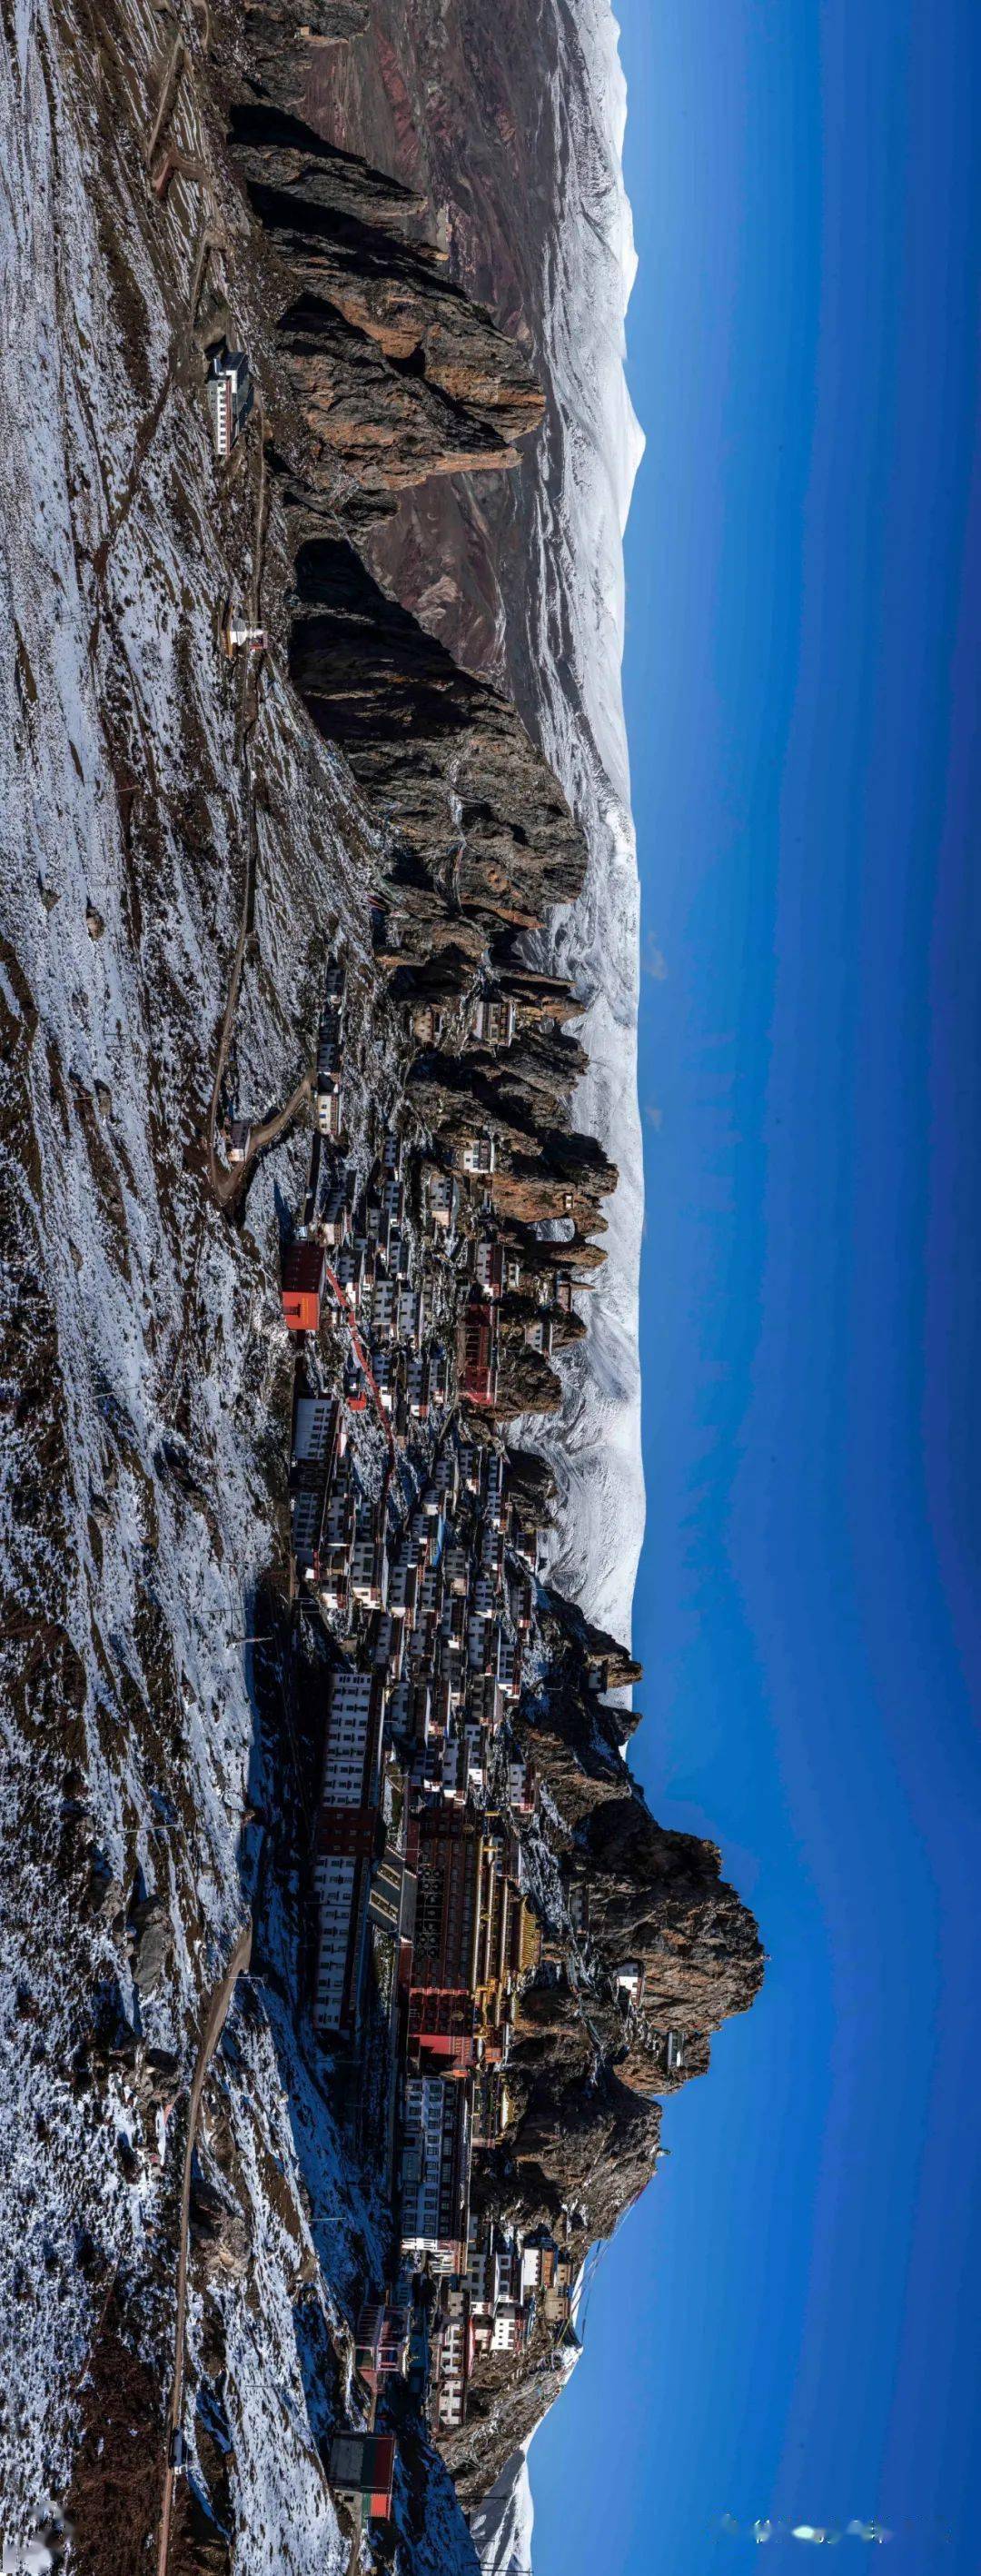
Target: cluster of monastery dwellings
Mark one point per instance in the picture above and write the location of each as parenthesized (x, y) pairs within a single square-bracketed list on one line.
[(409, 1548), (429, 2332)]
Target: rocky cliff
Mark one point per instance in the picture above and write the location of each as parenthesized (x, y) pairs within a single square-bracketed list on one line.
[(187, 836), (620, 1898)]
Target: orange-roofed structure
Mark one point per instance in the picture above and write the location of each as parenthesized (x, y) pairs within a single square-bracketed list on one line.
[(303, 1286)]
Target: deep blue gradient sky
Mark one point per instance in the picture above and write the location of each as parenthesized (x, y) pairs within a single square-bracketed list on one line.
[(789, 2324)]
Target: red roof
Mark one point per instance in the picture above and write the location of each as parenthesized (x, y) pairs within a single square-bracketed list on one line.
[(303, 1281)]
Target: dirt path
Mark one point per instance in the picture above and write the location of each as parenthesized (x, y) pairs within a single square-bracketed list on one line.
[(214, 2024), (363, 1361), (266, 1135), (225, 1185), (169, 86), (216, 1175)]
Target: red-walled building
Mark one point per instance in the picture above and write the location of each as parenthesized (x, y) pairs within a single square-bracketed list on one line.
[(303, 1286), (381, 2342), (477, 1353), (443, 1848), (362, 2473), (442, 2027)]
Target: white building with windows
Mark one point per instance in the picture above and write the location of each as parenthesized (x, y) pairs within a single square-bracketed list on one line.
[(346, 1834), (229, 391), (436, 2171), (335, 1879), (352, 1753), (478, 1154)]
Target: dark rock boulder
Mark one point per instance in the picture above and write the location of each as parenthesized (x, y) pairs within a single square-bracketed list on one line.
[(276, 151), (152, 1941)]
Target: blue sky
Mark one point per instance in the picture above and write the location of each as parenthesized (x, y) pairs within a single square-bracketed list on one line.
[(788, 2325)]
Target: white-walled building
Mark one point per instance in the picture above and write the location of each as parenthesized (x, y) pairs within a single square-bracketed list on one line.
[(436, 2171)]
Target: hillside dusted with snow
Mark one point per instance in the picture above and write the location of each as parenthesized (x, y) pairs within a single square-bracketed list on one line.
[(317, 980)]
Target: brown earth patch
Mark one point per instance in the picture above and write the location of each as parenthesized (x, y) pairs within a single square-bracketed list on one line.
[(113, 2504)]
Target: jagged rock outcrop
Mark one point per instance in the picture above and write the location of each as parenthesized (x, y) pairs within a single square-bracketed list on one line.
[(340, 227), (387, 427), (393, 370), (646, 1951), (397, 373), (280, 154), (526, 1383), (479, 829)]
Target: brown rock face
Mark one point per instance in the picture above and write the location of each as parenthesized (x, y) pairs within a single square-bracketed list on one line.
[(454, 101), (658, 1898), (471, 805), (397, 371), (281, 158), (653, 1900), (386, 427), (398, 297)]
